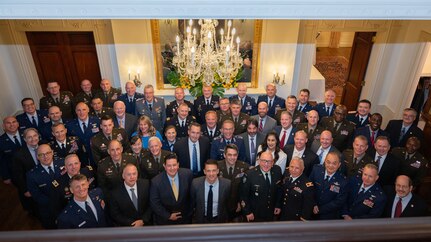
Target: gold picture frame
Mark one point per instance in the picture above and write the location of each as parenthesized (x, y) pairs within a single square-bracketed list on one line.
[(164, 31)]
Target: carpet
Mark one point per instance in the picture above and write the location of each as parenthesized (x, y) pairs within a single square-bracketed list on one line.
[(334, 69)]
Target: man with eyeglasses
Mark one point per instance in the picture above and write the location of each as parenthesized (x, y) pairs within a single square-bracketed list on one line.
[(342, 129), (401, 130), (62, 99), (258, 190), (31, 117), (39, 182)]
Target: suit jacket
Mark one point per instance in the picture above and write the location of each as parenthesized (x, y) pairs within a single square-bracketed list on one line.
[(389, 171), (171, 108), (416, 207), (130, 106), (277, 104), (309, 157), (74, 129), (313, 135), (321, 109), (73, 146), (25, 122), (331, 195), (415, 167), (202, 108), (289, 137), (343, 135), (394, 129), (350, 168), (166, 145), (366, 131), (306, 108), (354, 118), (240, 125), (316, 145), (157, 113), (198, 199), (7, 151), (297, 117), (131, 123), (249, 107), (205, 133), (113, 95), (149, 167), (74, 217), (258, 139), (121, 207), (182, 131), (269, 124), (163, 201), (181, 148), (83, 97), (22, 163), (64, 103)]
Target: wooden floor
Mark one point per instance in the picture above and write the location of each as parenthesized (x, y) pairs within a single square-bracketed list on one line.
[(13, 216), (342, 51)]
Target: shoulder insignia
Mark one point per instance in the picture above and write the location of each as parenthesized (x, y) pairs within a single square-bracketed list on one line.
[(309, 184), (90, 168), (55, 183)]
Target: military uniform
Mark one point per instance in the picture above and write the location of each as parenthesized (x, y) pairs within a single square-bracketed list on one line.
[(205, 133), (255, 195), (130, 104), (249, 105), (296, 198), (321, 110), (74, 129), (25, 122), (105, 111), (157, 114), (297, 117), (7, 150), (356, 119), (343, 136), (278, 103), (149, 167), (240, 124), (221, 116), (107, 175), (65, 103), (219, 143), (171, 109), (313, 135), (110, 97), (99, 143), (414, 166), (350, 168), (182, 131), (202, 108), (84, 97), (73, 146)]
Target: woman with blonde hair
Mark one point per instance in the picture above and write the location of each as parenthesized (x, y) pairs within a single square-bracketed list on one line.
[(146, 130)]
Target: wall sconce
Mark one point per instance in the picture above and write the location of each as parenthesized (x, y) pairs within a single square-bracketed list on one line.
[(277, 80), (137, 79)]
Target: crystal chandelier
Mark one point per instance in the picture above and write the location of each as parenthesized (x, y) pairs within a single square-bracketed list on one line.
[(207, 59)]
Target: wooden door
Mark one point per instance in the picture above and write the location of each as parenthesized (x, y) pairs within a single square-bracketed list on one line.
[(66, 57), (360, 54)]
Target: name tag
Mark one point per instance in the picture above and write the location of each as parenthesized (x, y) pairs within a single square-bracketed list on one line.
[(81, 224)]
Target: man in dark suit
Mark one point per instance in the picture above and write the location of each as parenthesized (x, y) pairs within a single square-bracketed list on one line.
[(300, 150), (372, 130), (297, 116), (323, 146), (129, 98), (311, 127), (31, 118), (24, 160), (61, 99), (210, 128), (210, 195), (86, 209), (327, 108), (303, 105), (10, 142), (108, 94), (330, 188), (238, 118), (252, 139), (248, 104), (266, 123), (258, 190), (286, 131), (404, 203), (205, 103), (152, 162), (366, 198), (181, 120), (387, 163), (400, 130), (129, 204), (227, 137), (39, 181), (98, 110), (274, 102), (171, 107), (194, 150), (124, 120), (170, 194), (86, 93), (361, 117), (355, 159), (342, 130), (152, 107)]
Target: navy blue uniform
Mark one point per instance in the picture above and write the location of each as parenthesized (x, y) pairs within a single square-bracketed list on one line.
[(305, 109), (321, 110), (182, 131), (354, 118), (25, 122), (249, 105), (130, 105), (277, 104), (171, 109), (219, 143), (331, 195), (73, 146), (202, 108), (74, 129), (7, 149)]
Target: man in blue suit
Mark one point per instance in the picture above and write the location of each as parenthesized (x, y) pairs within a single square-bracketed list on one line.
[(400, 130), (85, 127), (286, 131), (129, 98), (326, 108), (362, 114), (248, 103), (10, 142), (366, 198), (86, 209), (170, 194), (330, 187), (372, 130), (303, 105), (274, 102), (32, 118)]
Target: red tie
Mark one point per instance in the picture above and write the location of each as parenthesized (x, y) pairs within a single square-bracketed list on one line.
[(261, 125), (373, 133), (398, 209), (282, 140)]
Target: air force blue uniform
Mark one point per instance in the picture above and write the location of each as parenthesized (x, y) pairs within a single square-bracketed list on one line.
[(249, 105), (321, 110), (219, 143), (7, 150), (130, 105), (277, 104), (74, 129)]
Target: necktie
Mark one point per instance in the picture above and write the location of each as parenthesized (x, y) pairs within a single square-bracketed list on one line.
[(174, 189), (33, 121), (208, 102), (235, 120), (230, 171), (122, 123), (337, 126), (117, 166), (327, 178), (130, 100), (242, 101), (403, 131), (210, 203), (106, 95), (157, 160), (398, 208), (362, 191), (261, 125), (34, 154), (361, 120), (373, 134), (378, 162), (90, 211), (84, 127), (134, 198), (57, 100), (300, 108), (252, 150), (183, 124), (195, 159), (270, 103), (150, 107), (355, 160), (267, 179), (63, 147), (109, 137), (211, 133), (50, 171), (327, 111), (321, 156), (310, 131), (16, 141), (171, 147), (228, 142), (283, 139)]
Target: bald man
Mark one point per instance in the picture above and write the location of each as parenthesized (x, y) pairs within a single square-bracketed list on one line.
[(342, 129), (123, 119), (129, 98), (326, 108), (274, 102), (10, 141)]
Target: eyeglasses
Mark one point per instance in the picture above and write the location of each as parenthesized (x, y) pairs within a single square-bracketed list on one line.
[(44, 154)]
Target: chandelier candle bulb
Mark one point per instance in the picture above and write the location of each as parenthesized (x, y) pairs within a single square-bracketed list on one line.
[(233, 34), (229, 23), (237, 45), (227, 55), (221, 34), (193, 55), (178, 45)]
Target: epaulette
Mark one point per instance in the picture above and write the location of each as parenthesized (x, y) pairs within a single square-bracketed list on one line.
[(167, 119), (309, 184), (90, 168), (55, 183)]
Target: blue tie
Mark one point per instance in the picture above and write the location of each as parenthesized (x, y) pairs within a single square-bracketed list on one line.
[(195, 159)]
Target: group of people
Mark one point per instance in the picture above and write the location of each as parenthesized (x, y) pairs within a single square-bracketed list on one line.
[(103, 158)]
